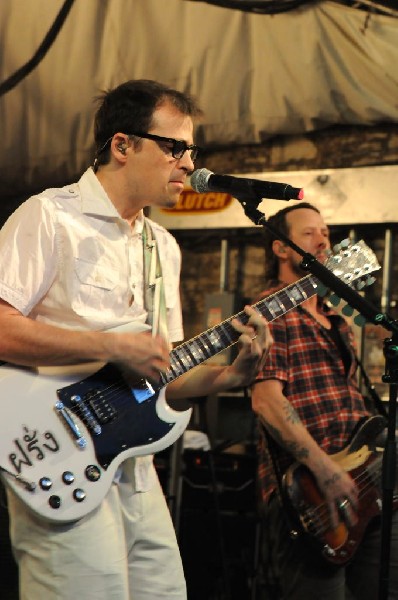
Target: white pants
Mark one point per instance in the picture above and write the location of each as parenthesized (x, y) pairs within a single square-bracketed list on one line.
[(124, 550)]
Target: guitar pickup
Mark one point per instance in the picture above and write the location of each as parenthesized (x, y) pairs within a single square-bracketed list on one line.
[(104, 411)]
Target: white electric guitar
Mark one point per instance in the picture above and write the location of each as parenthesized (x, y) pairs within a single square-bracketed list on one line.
[(64, 432)]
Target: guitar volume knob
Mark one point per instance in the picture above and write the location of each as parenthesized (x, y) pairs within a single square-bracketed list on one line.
[(79, 495), (92, 472), (68, 477), (54, 501), (45, 483)]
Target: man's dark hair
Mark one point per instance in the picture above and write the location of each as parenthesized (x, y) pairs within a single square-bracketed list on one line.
[(130, 106), (278, 220)]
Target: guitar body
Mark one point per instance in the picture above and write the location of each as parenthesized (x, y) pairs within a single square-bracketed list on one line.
[(310, 511), (61, 461)]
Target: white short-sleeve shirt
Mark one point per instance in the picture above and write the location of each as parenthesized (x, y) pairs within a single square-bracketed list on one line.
[(67, 258)]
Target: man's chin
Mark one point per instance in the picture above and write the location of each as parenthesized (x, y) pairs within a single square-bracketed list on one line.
[(168, 201), (322, 258)]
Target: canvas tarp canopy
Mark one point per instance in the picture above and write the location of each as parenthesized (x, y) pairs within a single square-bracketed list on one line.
[(255, 75)]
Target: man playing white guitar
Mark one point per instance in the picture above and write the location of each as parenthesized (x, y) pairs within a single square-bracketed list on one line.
[(78, 265), (309, 405)]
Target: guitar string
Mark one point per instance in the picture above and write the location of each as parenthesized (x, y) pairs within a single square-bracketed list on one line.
[(177, 368), (116, 390), (100, 398), (227, 332), (366, 478)]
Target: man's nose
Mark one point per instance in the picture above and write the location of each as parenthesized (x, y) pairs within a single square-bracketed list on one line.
[(186, 161), (322, 239)]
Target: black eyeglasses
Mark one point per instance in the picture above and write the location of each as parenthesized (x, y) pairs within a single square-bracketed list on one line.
[(178, 147)]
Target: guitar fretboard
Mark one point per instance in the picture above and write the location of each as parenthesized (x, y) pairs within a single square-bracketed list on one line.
[(222, 336)]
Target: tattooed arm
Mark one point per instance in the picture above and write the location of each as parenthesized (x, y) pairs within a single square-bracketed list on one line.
[(284, 425)]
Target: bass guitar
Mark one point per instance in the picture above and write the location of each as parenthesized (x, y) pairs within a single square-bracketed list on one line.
[(309, 511), (63, 433)]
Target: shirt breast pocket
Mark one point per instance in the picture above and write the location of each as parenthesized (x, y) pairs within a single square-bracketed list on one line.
[(94, 286)]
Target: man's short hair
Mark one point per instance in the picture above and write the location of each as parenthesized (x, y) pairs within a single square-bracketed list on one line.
[(130, 106)]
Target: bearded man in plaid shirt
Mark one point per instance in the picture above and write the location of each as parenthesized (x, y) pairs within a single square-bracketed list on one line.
[(309, 405)]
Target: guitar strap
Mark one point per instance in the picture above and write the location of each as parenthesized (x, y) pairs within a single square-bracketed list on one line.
[(371, 390), (377, 401), (154, 296)]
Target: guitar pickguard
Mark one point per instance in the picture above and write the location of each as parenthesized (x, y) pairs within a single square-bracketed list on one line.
[(107, 403)]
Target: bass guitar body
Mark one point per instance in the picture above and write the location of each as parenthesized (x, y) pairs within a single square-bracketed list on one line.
[(307, 506)]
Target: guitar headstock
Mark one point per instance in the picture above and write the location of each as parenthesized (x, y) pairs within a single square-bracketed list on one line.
[(353, 263)]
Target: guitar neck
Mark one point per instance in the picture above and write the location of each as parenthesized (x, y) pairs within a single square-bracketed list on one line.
[(222, 336)]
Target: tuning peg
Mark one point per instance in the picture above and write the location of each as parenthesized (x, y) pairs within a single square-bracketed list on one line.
[(347, 310), (359, 320), (370, 280), (360, 284), (321, 289), (341, 246), (334, 299)]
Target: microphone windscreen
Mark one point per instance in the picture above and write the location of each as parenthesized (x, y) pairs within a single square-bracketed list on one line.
[(199, 180)]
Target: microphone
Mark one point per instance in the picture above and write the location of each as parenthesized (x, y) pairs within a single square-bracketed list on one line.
[(203, 180)]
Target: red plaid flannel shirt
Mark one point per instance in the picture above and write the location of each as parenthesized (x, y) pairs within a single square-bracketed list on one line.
[(308, 363)]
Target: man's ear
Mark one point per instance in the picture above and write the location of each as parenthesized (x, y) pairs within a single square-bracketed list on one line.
[(122, 148), (120, 144), (279, 248)]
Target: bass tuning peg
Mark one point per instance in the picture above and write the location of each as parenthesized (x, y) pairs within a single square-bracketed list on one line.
[(347, 310)]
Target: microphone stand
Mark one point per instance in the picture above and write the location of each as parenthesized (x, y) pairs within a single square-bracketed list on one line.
[(390, 351)]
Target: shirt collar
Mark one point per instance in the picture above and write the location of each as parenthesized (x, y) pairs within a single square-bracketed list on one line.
[(95, 201)]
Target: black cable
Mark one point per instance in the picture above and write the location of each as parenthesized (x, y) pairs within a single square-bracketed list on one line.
[(46, 44), (273, 7), (268, 7)]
